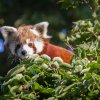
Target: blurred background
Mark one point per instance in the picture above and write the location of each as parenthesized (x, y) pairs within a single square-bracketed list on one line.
[(23, 12)]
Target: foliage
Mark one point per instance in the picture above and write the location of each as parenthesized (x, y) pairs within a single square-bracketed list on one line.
[(84, 31), (39, 77), (92, 4)]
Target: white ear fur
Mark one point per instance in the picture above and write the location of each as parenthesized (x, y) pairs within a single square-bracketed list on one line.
[(41, 29), (7, 32)]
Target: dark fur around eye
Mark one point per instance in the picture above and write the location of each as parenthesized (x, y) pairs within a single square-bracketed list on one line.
[(30, 44), (18, 45)]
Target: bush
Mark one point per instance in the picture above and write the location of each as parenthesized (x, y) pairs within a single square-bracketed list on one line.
[(40, 78)]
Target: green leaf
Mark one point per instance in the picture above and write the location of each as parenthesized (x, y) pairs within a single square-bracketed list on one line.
[(83, 54), (56, 76), (47, 90), (65, 66), (38, 60), (94, 65), (16, 70), (36, 86), (52, 98), (28, 96), (46, 57), (98, 59), (30, 70), (13, 90)]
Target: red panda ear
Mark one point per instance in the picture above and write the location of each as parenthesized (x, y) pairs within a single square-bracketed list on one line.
[(8, 33), (42, 29)]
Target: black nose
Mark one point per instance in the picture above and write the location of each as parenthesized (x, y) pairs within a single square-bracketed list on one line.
[(23, 52)]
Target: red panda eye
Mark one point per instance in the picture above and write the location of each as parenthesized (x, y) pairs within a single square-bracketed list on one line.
[(18, 45), (30, 44)]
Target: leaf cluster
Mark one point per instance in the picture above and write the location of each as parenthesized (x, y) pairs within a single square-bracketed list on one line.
[(84, 31), (40, 78)]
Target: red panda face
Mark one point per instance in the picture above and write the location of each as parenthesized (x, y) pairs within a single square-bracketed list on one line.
[(25, 40)]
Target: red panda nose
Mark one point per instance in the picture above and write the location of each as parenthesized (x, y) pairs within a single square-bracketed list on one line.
[(23, 52)]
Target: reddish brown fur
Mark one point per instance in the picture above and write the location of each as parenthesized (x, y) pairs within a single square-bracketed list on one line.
[(56, 51), (49, 49), (24, 33)]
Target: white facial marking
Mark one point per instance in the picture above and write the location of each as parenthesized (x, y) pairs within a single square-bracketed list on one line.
[(39, 45), (28, 49), (28, 41), (25, 47)]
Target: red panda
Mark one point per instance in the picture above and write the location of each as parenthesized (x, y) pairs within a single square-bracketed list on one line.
[(25, 41)]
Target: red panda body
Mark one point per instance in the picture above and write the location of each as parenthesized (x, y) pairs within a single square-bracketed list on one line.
[(25, 41), (56, 51)]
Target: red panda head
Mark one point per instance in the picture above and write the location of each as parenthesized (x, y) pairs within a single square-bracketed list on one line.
[(25, 40)]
